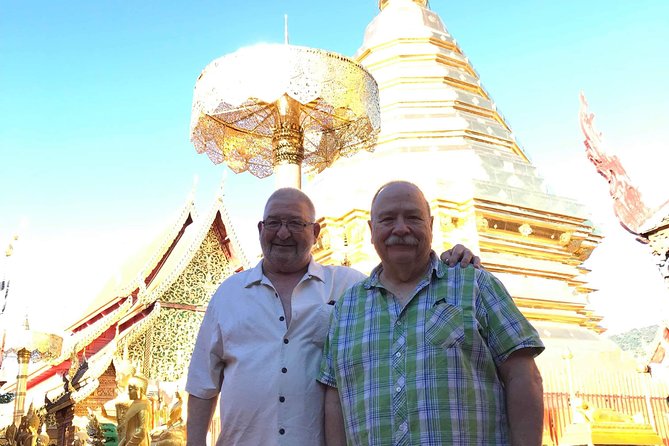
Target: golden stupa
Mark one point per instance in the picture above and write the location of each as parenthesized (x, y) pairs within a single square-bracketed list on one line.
[(441, 130)]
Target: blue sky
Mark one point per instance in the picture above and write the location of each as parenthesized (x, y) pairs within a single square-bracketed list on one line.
[(95, 107)]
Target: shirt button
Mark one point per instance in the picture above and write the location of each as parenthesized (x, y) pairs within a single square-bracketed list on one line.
[(398, 389), (281, 318), (282, 431), (284, 370), (398, 354), (285, 341), (282, 399)]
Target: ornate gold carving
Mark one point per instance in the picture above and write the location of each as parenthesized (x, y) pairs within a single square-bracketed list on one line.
[(288, 141), (148, 347), (201, 277), (323, 243), (175, 330), (173, 343), (320, 106), (525, 229), (354, 232), (447, 222)]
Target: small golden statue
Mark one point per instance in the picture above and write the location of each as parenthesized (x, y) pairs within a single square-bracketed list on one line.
[(174, 432), (115, 409), (592, 414), (43, 437), (10, 434), (135, 425), (26, 434)]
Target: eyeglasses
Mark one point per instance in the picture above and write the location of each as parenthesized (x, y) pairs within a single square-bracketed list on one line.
[(295, 225)]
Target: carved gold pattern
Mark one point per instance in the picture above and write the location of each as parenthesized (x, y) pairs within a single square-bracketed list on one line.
[(175, 329), (323, 243), (447, 222), (525, 229), (201, 277), (481, 222), (134, 338), (173, 342), (148, 348), (355, 231)]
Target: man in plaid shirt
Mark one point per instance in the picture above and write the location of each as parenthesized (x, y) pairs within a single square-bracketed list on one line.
[(423, 354)]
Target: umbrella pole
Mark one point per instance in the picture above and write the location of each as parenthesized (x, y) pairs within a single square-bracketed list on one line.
[(288, 144), (288, 175)]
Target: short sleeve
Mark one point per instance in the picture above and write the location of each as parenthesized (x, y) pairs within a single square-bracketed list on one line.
[(507, 328), (327, 371), (205, 372)]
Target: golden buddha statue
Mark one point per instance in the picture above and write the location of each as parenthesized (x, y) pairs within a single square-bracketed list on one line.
[(174, 433), (592, 414), (115, 409), (26, 435), (135, 425), (43, 437)]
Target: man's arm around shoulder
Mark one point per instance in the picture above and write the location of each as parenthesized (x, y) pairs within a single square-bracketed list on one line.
[(524, 398), (200, 413)]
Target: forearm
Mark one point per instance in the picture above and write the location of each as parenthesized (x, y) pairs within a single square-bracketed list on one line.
[(200, 413), (335, 434), (525, 410)]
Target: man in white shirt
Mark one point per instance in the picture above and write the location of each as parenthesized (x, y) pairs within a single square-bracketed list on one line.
[(261, 339)]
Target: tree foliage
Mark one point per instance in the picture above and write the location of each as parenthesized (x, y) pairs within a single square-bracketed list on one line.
[(637, 341)]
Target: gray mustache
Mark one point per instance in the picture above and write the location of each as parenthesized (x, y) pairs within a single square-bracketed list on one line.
[(397, 240)]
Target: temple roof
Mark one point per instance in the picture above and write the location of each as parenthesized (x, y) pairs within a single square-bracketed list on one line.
[(121, 313), (139, 266)]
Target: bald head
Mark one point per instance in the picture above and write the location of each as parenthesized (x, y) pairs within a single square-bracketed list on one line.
[(404, 185), (290, 195), (285, 250)]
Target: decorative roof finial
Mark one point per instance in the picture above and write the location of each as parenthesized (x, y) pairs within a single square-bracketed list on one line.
[(221, 188), (10, 249), (193, 189)]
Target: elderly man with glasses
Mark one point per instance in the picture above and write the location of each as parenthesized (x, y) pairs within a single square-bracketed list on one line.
[(261, 340)]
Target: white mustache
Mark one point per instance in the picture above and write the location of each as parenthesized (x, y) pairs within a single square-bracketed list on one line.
[(397, 240)]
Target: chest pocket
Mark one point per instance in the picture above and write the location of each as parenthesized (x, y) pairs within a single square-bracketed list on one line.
[(445, 325), (322, 324)]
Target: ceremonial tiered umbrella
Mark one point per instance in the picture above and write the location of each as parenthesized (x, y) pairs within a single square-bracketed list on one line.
[(271, 108), (29, 345)]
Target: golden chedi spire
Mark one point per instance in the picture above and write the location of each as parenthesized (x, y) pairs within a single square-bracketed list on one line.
[(384, 3)]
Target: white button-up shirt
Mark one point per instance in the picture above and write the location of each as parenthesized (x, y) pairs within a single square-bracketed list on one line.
[(266, 373)]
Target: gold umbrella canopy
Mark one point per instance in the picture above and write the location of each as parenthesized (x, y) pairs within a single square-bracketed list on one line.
[(270, 106)]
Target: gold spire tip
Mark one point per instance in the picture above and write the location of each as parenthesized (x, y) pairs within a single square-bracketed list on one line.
[(384, 3)]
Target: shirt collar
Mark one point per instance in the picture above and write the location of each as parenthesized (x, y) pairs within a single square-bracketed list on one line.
[(436, 267), (256, 276)]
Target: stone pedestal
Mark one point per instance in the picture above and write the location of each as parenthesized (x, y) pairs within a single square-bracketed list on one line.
[(609, 433)]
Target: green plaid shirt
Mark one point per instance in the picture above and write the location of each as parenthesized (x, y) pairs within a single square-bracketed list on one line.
[(425, 374)]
